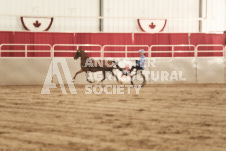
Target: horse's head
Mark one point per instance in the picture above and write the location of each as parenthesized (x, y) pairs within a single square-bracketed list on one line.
[(78, 54)]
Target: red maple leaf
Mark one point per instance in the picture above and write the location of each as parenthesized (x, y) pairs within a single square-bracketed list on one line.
[(152, 26), (36, 24)]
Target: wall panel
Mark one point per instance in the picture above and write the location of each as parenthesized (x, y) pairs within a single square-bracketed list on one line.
[(179, 12), (151, 9), (51, 8), (215, 16)]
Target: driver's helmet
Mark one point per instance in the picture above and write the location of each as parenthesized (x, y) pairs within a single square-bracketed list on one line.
[(141, 51)]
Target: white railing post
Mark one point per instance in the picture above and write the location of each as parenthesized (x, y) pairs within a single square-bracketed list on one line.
[(0, 50), (25, 50), (224, 50), (173, 51), (51, 51), (126, 51), (196, 51), (102, 52), (149, 52), (54, 50), (224, 63), (196, 64)]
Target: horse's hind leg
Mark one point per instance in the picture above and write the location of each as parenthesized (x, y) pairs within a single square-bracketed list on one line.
[(80, 71), (103, 72), (115, 77)]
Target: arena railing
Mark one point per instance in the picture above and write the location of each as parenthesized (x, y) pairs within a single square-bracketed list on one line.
[(126, 47), (172, 51), (206, 50), (195, 50), (25, 50), (77, 46)]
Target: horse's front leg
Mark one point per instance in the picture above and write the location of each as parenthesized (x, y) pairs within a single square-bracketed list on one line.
[(80, 71), (87, 77)]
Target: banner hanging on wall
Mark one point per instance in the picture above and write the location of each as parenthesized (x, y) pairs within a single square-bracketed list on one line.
[(37, 24), (152, 25)]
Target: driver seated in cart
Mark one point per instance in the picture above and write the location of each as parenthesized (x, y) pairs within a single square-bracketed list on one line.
[(139, 63)]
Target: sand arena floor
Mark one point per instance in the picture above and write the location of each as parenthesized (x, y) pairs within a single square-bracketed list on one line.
[(161, 118)]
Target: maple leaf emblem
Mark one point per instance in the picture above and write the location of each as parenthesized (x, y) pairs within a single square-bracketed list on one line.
[(152, 25), (37, 24)]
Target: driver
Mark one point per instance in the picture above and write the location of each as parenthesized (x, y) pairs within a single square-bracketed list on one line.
[(139, 63)]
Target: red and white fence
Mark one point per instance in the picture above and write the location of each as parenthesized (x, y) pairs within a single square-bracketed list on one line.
[(95, 50), (201, 64), (26, 50)]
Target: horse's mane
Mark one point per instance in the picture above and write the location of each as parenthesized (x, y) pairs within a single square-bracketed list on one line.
[(84, 53)]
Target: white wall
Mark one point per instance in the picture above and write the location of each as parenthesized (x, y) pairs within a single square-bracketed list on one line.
[(224, 15), (180, 14), (216, 18), (151, 9), (51, 8)]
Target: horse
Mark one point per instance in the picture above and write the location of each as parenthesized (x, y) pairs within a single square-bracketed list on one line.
[(90, 65)]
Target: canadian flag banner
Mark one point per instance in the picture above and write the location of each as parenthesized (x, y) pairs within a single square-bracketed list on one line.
[(152, 25), (37, 23)]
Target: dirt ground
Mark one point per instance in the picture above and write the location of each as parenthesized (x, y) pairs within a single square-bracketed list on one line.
[(160, 118)]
